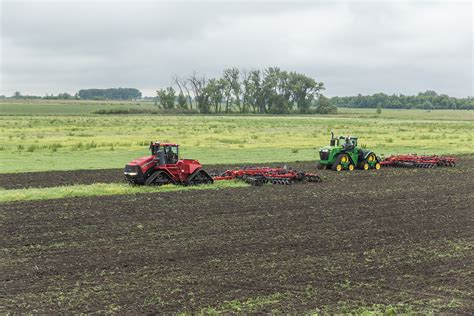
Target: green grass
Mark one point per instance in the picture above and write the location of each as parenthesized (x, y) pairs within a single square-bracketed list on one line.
[(101, 189), (69, 142), (66, 107)]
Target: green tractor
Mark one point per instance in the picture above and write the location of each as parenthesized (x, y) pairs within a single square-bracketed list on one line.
[(343, 153)]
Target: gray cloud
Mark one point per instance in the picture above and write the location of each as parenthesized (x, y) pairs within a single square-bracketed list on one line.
[(353, 47)]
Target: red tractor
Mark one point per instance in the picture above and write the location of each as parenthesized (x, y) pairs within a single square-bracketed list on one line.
[(163, 166)]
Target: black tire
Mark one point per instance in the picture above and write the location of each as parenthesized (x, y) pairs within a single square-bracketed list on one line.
[(158, 178), (199, 177), (320, 166)]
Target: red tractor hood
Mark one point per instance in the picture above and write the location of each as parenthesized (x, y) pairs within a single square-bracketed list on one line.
[(143, 162)]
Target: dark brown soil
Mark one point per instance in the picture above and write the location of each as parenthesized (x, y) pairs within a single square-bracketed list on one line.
[(363, 240), (72, 177), (59, 178)]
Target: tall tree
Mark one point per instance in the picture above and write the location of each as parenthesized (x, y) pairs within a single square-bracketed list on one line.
[(304, 89), (215, 92), (198, 85), (166, 97)]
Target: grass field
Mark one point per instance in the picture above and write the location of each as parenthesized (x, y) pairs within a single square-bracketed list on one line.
[(101, 189), (84, 141)]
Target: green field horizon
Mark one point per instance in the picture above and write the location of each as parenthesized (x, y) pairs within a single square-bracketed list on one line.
[(34, 141)]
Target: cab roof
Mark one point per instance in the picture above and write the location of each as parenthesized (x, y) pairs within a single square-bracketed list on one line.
[(164, 144)]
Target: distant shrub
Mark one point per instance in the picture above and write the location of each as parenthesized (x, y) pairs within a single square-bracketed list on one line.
[(124, 111), (143, 111), (32, 148), (54, 147)]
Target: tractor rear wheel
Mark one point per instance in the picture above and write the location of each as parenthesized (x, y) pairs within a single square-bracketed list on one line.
[(371, 158)]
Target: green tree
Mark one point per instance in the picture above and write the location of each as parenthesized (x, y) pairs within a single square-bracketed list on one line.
[(379, 109), (198, 85), (215, 92), (182, 101), (166, 97), (324, 106), (304, 89)]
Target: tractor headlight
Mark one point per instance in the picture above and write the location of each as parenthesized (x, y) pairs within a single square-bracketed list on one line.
[(130, 170)]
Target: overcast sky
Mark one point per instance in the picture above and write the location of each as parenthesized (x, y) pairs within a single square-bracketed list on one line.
[(352, 46)]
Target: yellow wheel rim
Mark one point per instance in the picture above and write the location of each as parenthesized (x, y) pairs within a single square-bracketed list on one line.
[(366, 166), (339, 167), (344, 159), (377, 166), (351, 167), (370, 158)]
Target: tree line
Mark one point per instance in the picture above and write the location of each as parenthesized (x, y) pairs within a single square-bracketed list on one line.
[(427, 100), (110, 94), (271, 90), (89, 94)]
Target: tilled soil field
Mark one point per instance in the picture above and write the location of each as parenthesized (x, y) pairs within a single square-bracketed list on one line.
[(59, 178), (397, 238)]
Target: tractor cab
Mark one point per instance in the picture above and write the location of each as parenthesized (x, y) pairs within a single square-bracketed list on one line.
[(349, 143), (165, 153), (346, 142)]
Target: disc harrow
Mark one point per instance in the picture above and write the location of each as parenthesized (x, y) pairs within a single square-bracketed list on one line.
[(416, 161), (258, 176)]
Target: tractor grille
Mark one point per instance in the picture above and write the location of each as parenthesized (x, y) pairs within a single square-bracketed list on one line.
[(324, 155), (129, 168)]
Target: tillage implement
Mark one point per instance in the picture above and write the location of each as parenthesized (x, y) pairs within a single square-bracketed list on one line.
[(262, 175), (415, 161)]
